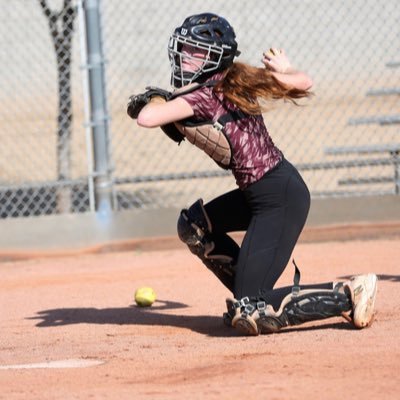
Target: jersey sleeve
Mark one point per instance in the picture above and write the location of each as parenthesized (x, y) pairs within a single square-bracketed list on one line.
[(201, 102)]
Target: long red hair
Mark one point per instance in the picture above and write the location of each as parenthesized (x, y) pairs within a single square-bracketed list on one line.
[(243, 85)]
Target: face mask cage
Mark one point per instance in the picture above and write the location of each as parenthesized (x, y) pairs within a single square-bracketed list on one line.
[(186, 68)]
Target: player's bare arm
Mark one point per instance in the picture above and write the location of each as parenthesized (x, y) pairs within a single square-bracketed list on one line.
[(158, 112)]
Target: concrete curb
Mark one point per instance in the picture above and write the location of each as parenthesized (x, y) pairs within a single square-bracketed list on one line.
[(311, 234)]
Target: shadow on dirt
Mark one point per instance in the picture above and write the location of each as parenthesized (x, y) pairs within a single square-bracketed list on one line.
[(207, 325), (381, 277), (134, 315)]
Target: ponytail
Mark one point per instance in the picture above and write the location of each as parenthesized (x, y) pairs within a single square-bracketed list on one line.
[(244, 85)]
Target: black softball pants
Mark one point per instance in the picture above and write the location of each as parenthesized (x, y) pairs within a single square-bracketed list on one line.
[(273, 212)]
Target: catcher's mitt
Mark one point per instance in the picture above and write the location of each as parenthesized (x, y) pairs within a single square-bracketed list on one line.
[(138, 101)]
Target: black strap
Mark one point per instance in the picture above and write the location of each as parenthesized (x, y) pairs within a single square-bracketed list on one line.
[(210, 83), (296, 280), (231, 117)]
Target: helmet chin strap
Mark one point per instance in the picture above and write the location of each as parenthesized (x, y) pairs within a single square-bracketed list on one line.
[(206, 75), (182, 78), (189, 78)]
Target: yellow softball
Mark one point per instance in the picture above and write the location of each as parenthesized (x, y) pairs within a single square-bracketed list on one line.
[(145, 296)]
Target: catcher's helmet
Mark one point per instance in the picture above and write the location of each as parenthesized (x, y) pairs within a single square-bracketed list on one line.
[(211, 34)]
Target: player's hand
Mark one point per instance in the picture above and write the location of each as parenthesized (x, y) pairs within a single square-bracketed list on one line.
[(277, 61)]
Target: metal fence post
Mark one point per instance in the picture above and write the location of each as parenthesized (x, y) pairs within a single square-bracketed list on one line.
[(103, 186)]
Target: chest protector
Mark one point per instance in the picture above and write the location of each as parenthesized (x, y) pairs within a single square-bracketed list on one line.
[(208, 136)]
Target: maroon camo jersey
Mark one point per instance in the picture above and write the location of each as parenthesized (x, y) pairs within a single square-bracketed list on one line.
[(254, 152)]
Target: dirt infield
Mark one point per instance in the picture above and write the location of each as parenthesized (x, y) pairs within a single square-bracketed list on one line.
[(80, 308)]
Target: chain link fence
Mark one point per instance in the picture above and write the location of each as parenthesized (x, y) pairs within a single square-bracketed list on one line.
[(43, 162), (345, 139)]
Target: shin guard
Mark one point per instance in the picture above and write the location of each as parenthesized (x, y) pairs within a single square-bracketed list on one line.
[(257, 316), (307, 305)]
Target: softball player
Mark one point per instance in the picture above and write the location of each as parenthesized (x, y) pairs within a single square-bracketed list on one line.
[(216, 106)]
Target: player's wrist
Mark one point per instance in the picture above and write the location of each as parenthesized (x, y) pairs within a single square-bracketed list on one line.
[(157, 99)]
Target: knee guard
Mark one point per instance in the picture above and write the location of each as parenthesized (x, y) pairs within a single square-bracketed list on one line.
[(195, 229), (194, 224)]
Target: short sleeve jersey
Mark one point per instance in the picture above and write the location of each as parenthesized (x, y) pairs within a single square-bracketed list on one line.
[(254, 152)]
